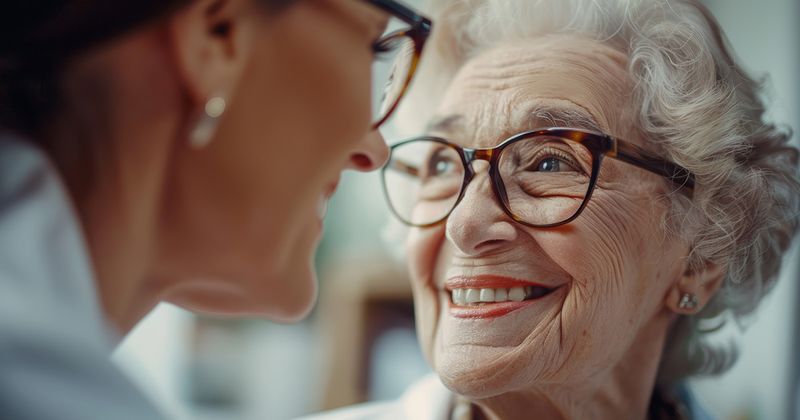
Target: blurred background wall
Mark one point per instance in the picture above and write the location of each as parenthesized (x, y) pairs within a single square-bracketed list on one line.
[(763, 384), (359, 343)]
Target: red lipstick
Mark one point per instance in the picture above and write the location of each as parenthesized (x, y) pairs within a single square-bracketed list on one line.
[(492, 310)]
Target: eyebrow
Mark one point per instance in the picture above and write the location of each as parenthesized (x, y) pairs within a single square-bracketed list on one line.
[(563, 117), (446, 123), (539, 117)]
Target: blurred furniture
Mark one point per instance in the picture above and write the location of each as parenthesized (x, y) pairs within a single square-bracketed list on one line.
[(360, 297)]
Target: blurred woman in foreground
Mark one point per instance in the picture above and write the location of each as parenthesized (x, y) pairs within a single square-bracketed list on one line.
[(179, 151)]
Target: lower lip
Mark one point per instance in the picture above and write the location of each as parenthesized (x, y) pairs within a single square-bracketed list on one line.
[(491, 310)]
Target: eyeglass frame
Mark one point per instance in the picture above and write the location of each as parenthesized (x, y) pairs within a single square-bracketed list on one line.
[(598, 144), (419, 31)]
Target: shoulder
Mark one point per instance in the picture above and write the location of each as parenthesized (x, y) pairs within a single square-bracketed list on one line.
[(19, 161), (54, 344), (43, 254), (426, 399)]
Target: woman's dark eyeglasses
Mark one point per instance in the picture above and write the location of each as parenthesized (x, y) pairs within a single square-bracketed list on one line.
[(397, 54), (543, 178)]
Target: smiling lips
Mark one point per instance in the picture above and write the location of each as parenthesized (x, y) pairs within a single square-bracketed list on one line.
[(491, 296)]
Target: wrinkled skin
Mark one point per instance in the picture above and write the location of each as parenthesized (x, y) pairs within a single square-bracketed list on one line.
[(591, 348)]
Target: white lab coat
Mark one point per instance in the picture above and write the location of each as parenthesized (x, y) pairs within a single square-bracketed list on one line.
[(54, 342)]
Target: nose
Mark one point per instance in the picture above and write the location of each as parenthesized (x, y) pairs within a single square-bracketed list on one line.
[(370, 154), (478, 224)]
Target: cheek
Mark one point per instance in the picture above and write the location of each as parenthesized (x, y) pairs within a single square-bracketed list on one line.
[(293, 121), (607, 252), (424, 247), (346, 94), (309, 91), (328, 71)]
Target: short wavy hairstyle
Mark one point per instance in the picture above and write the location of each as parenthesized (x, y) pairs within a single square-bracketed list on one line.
[(696, 106)]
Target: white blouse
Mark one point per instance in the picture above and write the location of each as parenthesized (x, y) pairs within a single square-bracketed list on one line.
[(54, 342), (429, 399), (426, 399)]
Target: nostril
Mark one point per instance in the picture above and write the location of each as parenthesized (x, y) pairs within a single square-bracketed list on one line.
[(362, 162), (488, 244)]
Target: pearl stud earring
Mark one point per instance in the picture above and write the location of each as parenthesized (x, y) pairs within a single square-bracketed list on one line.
[(206, 126), (688, 301)]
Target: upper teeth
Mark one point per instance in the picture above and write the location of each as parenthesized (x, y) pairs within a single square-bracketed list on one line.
[(514, 294)]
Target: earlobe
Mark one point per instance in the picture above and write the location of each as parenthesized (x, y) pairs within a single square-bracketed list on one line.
[(695, 288), (206, 47)]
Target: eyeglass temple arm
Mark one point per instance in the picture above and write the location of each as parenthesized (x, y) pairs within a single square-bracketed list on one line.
[(635, 155), (402, 11)]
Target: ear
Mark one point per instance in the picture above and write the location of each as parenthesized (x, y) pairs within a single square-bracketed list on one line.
[(209, 40), (701, 282)]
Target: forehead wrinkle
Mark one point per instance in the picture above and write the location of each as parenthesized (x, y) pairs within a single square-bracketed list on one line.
[(506, 62), (549, 50), (480, 126), (485, 132), (598, 78)]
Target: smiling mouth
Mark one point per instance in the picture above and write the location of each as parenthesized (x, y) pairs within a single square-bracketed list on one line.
[(492, 296)]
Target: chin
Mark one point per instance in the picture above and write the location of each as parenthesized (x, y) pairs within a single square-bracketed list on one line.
[(286, 291), (294, 305), (287, 297), (475, 385), (271, 283), (476, 376)]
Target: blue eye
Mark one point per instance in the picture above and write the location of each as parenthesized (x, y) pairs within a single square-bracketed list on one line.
[(442, 166), (550, 164)]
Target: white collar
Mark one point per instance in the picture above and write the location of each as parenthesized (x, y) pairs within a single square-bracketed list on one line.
[(43, 255), (427, 399)]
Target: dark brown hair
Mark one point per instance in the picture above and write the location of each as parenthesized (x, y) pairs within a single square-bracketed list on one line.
[(37, 38)]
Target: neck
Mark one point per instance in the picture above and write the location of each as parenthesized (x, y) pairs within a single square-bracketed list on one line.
[(112, 141), (120, 245), (117, 191), (622, 391)]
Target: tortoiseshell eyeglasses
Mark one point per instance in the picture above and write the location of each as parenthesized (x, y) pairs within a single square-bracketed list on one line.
[(397, 54), (542, 178)]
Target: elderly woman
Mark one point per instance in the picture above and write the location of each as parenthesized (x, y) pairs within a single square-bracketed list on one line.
[(596, 178)]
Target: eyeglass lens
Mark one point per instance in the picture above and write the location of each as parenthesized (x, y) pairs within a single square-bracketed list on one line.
[(391, 66), (544, 180)]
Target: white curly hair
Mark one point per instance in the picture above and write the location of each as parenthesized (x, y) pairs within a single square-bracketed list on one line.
[(696, 105)]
